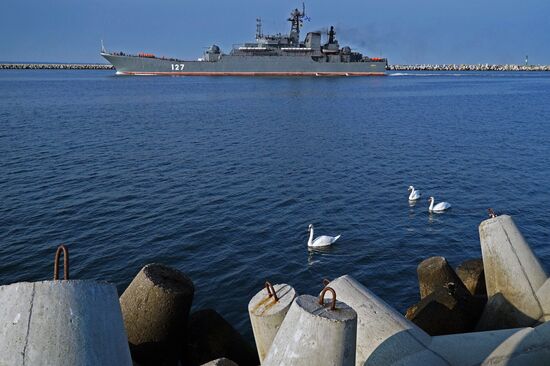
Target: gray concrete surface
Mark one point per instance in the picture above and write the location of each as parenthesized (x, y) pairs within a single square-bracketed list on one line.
[(62, 323), (513, 275), (267, 315), (220, 362), (385, 337), (312, 334)]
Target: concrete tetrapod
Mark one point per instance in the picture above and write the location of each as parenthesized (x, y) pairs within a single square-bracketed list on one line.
[(435, 273), (473, 277), (513, 276), (155, 308), (62, 323), (314, 334), (267, 310), (385, 337)]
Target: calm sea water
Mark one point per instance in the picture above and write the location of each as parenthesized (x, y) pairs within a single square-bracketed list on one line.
[(220, 177)]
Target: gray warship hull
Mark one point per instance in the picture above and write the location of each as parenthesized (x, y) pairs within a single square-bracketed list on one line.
[(229, 65), (269, 55)]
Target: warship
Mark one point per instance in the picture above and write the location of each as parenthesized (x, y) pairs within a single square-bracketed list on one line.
[(270, 55)]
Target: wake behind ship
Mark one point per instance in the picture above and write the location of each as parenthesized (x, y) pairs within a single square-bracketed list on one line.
[(270, 55)]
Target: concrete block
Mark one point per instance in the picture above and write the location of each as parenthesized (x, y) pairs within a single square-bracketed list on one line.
[(62, 323), (155, 307), (211, 337), (513, 275), (267, 313), (435, 273), (446, 312), (543, 294), (473, 276), (314, 334), (384, 337)]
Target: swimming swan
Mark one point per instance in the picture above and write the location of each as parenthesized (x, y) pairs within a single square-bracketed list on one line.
[(440, 207), (321, 241), (414, 194)]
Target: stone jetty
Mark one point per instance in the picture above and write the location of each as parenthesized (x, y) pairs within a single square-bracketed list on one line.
[(56, 67), (493, 310), (467, 67)]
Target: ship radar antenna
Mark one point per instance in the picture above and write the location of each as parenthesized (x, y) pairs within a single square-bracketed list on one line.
[(296, 17)]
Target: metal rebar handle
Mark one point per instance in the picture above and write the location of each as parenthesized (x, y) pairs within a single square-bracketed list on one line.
[(61, 248), (271, 290), (322, 297)]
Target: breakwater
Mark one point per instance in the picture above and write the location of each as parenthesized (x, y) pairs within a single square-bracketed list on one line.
[(28, 66), (497, 306), (467, 67), (418, 67)]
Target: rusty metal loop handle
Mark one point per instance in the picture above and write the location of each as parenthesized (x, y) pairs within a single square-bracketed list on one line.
[(322, 297), (271, 290), (65, 251)]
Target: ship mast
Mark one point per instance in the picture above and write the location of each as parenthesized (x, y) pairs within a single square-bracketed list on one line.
[(296, 19), (259, 33)]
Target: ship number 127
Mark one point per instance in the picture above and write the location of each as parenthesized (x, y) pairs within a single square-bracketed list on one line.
[(177, 67)]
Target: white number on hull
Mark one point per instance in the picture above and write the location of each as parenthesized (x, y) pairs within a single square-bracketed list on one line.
[(177, 67)]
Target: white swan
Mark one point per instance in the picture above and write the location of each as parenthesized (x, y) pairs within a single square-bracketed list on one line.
[(414, 194), (440, 207), (321, 241)]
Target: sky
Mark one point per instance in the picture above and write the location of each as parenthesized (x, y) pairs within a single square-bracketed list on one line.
[(404, 31)]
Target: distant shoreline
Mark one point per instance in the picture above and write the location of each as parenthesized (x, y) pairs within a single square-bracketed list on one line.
[(419, 67)]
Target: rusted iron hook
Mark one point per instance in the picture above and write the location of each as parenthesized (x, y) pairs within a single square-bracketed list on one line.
[(322, 297), (271, 290), (61, 248)]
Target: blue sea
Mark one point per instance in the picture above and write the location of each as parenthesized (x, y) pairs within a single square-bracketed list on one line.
[(220, 177)]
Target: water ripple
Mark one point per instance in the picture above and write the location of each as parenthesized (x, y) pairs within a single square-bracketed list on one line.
[(221, 177)]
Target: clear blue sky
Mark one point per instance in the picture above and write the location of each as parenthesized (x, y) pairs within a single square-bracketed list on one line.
[(405, 31)]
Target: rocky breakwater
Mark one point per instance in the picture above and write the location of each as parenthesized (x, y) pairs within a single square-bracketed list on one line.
[(55, 67), (494, 310), (465, 67)]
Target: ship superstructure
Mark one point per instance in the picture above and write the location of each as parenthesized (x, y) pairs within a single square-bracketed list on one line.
[(269, 55)]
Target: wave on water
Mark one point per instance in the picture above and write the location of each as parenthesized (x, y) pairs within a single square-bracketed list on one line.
[(442, 73)]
